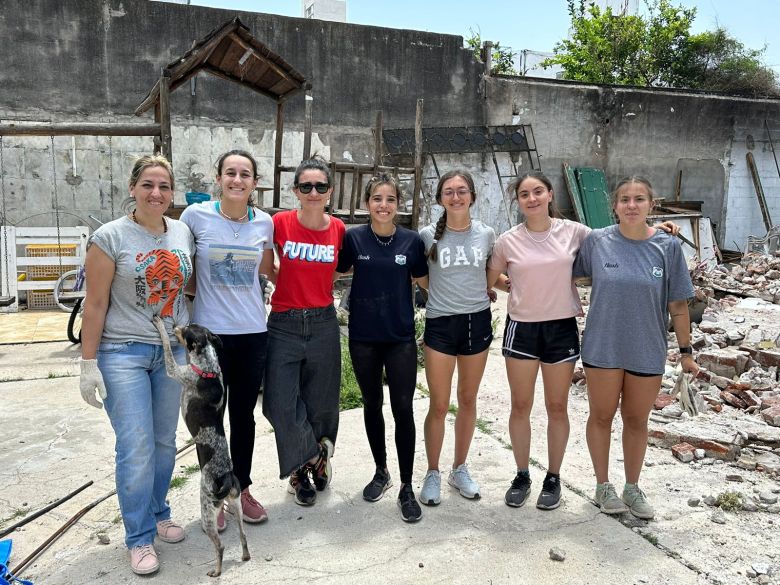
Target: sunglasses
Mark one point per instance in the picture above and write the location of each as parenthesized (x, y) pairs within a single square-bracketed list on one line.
[(321, 188)]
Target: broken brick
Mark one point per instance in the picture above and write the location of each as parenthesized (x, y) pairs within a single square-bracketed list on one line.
[(684, 452), (749, 397), (767, 357), (727, 362), (663, 400), (772, 416), (732, 399), (769, 402)]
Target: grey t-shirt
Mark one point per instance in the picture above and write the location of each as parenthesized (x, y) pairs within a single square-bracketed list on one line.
[(633, 282), (457, 280), (151, 272)]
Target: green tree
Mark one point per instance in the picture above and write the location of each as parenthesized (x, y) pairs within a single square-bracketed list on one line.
[(501, 57), (657, 50)]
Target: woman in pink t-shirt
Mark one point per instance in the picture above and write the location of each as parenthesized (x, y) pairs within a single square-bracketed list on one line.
[(541, 327)]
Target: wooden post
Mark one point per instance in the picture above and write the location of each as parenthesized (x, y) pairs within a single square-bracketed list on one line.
[(165, 115), (278, 153), (307, 126), (488, 52), (378, 141), (418, 143)]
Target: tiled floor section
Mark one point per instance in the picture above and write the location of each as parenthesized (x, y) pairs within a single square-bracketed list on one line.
[(33, 326)]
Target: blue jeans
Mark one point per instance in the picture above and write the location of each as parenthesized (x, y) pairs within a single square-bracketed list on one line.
[(302, 383), (143, 406)]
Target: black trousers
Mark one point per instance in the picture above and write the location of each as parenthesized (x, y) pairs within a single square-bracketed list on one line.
[(399, 362), (242, 360)]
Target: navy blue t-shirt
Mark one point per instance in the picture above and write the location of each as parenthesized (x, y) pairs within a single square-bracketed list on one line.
[(380, 303)]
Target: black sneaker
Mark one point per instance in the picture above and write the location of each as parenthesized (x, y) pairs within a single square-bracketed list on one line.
[(300, 485), (321, 471), (550, 496), (410, 509), (518, 492), (374, 491)]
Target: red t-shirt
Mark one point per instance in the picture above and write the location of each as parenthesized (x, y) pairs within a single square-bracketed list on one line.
[(307, 260)]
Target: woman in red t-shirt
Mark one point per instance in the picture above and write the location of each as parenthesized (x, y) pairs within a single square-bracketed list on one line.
[(301, 397)]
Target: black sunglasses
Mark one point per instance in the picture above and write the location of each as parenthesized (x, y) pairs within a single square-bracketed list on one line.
[(322, 188)]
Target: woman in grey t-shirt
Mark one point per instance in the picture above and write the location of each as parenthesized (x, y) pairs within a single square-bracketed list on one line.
[(639, 277), (458, 327), (137, 267)]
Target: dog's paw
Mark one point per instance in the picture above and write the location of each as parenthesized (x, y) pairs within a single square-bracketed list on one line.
[(245, 556), (214, 573)]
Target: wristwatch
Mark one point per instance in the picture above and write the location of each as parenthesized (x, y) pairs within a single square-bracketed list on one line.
[(687, 350)]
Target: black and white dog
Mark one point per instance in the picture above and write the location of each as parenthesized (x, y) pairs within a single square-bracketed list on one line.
[(202, 400)]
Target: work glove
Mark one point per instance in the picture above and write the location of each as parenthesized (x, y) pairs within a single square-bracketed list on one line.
[(267, 287), (91, 380)]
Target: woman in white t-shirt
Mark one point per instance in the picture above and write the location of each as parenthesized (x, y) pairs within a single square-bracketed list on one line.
[(234, 242), (541, 327)]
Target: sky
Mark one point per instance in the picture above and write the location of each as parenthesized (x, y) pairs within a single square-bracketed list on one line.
[(530, 24)]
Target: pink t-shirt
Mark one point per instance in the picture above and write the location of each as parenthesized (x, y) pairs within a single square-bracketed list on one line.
[(539, 267)]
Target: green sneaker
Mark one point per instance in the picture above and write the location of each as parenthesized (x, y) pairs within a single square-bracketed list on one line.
[(607, 499), (637, 502)]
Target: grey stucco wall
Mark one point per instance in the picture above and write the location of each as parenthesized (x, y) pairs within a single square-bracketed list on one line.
[(95, 60)]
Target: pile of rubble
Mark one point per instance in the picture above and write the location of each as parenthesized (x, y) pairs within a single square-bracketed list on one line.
[(757, 276)]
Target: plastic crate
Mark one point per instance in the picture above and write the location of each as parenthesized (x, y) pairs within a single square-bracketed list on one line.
[(40, 299), (48, 271)]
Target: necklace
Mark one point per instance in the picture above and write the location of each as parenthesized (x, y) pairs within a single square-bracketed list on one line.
[(380, 242), (157, 237), (229, 219), (463, 229), (544, 239)]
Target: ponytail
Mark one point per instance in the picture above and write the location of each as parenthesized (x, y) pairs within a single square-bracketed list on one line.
[(437, 234)]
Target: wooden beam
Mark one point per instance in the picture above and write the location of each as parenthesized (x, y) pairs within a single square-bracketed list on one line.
[(165, 115), (307, 125), (81, 129), (278, 153), (418, 146), (256, 53), (224, 75)]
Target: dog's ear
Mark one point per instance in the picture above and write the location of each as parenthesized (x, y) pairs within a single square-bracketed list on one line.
[(215, 340)]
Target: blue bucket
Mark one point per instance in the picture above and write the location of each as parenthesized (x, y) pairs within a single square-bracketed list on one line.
[(195, 197)]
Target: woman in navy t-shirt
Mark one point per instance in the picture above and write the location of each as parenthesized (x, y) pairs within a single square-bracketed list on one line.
[(385, 259)]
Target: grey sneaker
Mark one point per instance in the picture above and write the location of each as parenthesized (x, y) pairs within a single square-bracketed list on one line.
[(460, 479), (518, 492), (430, 494), (550, 496), (607, 499), (637, 502), (377, 487)]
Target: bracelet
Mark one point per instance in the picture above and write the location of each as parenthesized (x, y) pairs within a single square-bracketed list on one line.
[(688, 350)]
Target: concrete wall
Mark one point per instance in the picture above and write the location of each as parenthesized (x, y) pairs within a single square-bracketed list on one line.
[(96, 60)]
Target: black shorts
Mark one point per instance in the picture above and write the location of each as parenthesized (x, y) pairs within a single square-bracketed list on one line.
[(551, 342), (632, 372), (459, 334)]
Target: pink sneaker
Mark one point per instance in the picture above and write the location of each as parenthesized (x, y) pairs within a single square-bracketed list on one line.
[(169, 531), (143, 560), (254, 513)]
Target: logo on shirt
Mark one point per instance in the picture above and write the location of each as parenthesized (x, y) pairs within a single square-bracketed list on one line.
[(611, 264), (460, 256), (362, 257), (309, 252), (658, 272), (400, 259)]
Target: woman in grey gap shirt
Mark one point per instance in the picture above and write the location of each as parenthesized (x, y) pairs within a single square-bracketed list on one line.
[(639, 277), (458, 328)]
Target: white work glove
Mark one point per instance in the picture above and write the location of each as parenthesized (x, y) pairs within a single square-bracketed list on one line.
[(91, 380), (267, 287)]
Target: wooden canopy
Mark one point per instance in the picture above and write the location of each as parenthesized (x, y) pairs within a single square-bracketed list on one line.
[(232, 53)]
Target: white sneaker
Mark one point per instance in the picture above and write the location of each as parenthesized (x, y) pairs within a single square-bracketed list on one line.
[(430, 494), (460, 479)]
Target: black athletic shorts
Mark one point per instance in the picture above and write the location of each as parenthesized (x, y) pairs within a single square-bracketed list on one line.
[(459, 334), (632, 372), (551, 342)]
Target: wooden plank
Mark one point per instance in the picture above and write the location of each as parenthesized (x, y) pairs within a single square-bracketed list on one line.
[(378, 141), (223, 75), (418, 145), (260, 57), (574, 194), (278, 153), (165, 116), (353, 197), (80, 129), (751, 163)]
